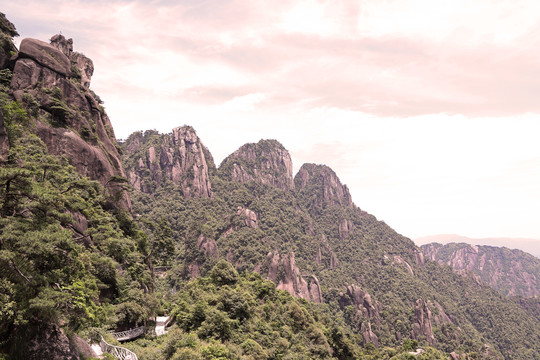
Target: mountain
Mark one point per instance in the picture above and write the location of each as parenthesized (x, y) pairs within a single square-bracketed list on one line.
[(310, 239), (70, 256), (531, 246), (512, 272), (250, 261)]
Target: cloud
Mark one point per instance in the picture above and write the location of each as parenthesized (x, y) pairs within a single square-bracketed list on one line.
[(427, 110)]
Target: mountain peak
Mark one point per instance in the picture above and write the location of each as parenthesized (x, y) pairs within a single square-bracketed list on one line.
[(180, 157), (266, 162), (322, 186)]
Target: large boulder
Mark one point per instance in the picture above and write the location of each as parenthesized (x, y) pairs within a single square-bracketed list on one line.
[(46, 55)]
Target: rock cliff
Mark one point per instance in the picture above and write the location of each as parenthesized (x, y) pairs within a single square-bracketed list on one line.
[(320, 186), (266, 162), (48, 80), (425, 320), (180, 157), (367, 311), (283, 270), (512, 272), (7, 48)]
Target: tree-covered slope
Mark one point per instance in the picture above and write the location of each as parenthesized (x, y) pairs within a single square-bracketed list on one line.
[(71, 258), (313, 242), (511, 271)]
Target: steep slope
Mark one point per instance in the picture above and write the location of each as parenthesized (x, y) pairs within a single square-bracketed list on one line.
[(179, 157), (312, 241), (512, 272), (70, 257), (52, 80), (266, 162)]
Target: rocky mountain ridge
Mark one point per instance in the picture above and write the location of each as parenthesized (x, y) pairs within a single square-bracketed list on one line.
[(178, 157), (512, 272), (312, 241), (53, 82), (305, 234)]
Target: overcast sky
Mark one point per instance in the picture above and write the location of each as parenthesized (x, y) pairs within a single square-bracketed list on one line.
[(427, 110)]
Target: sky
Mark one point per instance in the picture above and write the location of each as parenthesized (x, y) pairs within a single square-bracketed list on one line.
[(427, 110)]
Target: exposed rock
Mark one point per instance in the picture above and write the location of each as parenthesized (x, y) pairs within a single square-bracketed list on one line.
[(419, 257), (399, 260), (4, 141), (315, 293), (272, 261), (7, 48), (266, 162), (45, 55), (512, 272), (424, 320), (209, 246), (84, 65), (321, 186), (368, 335), (48, 341), (362, 300), (292, 280), (325, 256), (250, 217), (179, 157), (77, 127), (343, 229)]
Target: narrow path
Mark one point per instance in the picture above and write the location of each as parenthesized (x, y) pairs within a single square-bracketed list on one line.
[(161, 322), (97, 350)]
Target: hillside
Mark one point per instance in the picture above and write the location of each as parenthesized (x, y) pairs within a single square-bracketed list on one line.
[(70, 257), (250, 260), (512, 272), (311, 240)]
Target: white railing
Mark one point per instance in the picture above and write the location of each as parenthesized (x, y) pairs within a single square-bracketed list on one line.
[(117, 351), (128, 334)]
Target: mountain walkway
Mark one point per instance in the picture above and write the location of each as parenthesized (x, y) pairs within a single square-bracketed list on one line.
[(122, 353)]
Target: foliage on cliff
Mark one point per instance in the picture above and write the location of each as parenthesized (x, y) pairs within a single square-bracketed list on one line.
[(511, 271)]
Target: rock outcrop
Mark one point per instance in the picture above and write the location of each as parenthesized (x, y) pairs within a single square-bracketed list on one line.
[(320, 186), (325, 255), (71, 121), (425, 319), (266, 162), (512, 272), (249, 216), (367, 311), (178, 157), (47, 341), (291, 279), (7, 48), (4, 141)]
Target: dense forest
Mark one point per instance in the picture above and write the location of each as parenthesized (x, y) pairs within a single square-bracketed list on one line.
[(248, 261)]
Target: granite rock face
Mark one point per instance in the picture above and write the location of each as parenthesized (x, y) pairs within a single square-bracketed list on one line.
[(179, 157), (368, 311), (303, 286), (321, 186), (4, 141), (511, 272), (48, 341), (69, 118), (266, 162), (7, 48), (425, 319)]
